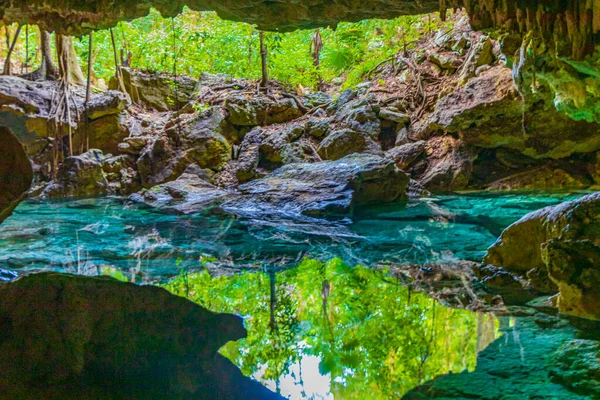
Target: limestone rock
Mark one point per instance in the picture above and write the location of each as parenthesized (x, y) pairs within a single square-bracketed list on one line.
[(16, 173), (576, 365), (261, 110), (359, 115), (449, 165), (318, 127), (79, 176), (560, 242), (394, 116), (445, 60), (344, 142), (406, 154), (191, 192), (543, 178), (160, 92), (328, 187), (74, 337), (283, 147), (25, 107)]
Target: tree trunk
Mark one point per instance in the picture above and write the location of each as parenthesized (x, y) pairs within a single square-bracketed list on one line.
[(68, 63), (48, 69), (118, 73), (264, 82), (7, 66)]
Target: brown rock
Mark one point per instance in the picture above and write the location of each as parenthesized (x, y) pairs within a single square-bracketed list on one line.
[(16, 173)]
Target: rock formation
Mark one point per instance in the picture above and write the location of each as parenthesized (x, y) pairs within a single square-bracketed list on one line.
[(16, 173)]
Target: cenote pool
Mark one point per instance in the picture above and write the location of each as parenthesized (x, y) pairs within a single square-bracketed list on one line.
[(322, 321)]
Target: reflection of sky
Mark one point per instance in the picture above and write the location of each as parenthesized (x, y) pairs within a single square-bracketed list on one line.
[(304, 381)]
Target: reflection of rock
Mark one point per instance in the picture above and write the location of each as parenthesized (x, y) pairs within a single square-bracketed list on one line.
[(15, 172), (76, 337), (562, 242), (521, 365), (576, 365), (191, 192), (329, 187)]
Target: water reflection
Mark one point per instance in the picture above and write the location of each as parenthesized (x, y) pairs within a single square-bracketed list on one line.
[(87, 236), (328, 331)]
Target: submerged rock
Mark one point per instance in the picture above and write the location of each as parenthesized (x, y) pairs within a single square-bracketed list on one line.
[(563, 243), (76, 337), (16, 173), (328, 187)]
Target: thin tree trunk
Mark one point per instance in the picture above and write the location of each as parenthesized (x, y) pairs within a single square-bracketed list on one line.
[(48, 68), (317, 45), (88, 92), (68, 64), (7, 67), (118, 74), (264, 82)]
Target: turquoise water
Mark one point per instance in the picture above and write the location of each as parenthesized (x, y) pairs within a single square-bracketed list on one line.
[(319, 326), (85, 236)]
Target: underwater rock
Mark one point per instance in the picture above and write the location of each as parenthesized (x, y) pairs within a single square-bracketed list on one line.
[(560, 242), (25, 108), (191, 192), (74, 337), (341, 143), (79, 176), (160, 92), (328, 187)]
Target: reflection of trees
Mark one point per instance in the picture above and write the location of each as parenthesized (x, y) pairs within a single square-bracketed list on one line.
[(372, 341)]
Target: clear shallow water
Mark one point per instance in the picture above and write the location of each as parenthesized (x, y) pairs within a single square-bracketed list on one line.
[(87, 235)]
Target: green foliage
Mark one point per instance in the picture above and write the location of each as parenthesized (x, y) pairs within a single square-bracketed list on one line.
[(196, 42), (373, 338)]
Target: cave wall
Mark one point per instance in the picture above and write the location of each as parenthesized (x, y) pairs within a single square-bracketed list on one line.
[(16, 173)]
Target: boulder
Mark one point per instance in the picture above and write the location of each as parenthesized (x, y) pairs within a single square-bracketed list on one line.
[(560, 242), (249, 155), (393, 115), (449, 165), (328, 187), (405, 155), (16, 173), (25, 107), (544, 178), (344, 142), (488, 112), (79, 176), (74, 337), (260, 110), (161, 92), (359, 115), (196, 140), (446, 60), (318, 127), (190, 193), (283, 147)]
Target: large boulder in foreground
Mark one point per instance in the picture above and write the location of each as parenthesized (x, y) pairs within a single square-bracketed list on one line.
[(561, 243), (74, 337), (16, 173), (328, 187)]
